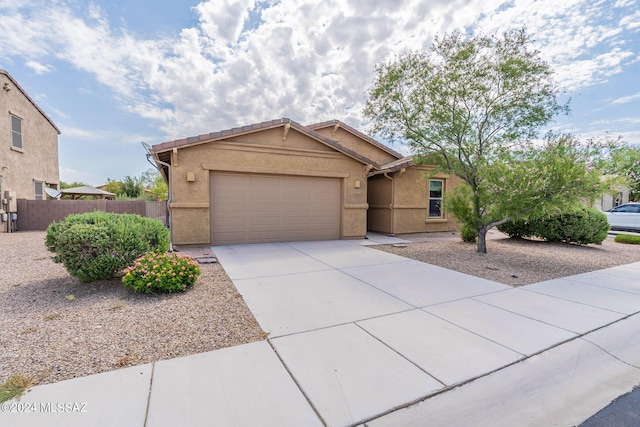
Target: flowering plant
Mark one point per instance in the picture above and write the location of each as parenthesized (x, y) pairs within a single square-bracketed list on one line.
[(161, 272)]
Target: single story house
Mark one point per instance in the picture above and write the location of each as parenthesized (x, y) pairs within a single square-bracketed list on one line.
[(282, 181)]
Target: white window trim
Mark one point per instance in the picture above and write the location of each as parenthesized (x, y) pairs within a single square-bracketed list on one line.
[(441, 217), (13, 131)]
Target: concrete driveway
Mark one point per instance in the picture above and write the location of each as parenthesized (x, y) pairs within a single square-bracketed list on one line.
[(364, 332), (363, 337)]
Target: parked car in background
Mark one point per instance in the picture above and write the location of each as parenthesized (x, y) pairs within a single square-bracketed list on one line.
[(624, 217)]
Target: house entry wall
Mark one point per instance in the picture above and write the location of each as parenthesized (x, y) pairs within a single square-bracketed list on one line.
[(258, 208)]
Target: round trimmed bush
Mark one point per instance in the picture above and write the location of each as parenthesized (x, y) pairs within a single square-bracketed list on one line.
[(579, 225), (161, 272), (97, 245)]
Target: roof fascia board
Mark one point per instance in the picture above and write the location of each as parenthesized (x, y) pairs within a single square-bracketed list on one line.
[(244, 130), (355, 132)]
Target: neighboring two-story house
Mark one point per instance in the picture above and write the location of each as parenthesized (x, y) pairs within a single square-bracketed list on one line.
[(28, 150)]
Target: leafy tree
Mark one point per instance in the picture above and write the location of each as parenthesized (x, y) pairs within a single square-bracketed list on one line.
[(625, 161), (531, 183), (148, 178), (114, 187), (64, 185), (159, 189), (132, 186), (473, 105)]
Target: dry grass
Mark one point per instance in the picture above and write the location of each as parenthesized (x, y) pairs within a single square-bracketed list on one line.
[(15, 386)]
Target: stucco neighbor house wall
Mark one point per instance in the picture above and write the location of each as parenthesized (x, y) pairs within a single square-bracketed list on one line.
[(280, 181), (609, 201), (28, 147)]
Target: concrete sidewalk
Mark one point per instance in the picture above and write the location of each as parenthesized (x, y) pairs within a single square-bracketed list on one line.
[(364, 337)]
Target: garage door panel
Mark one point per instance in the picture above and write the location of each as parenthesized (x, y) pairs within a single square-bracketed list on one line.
[(265, 222), (248, 208), (233, 221), (232, 208), (262, 208)]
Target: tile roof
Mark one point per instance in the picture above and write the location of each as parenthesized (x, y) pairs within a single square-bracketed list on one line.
[(6, 73), (223, 134), (357, 133), (397, 164)]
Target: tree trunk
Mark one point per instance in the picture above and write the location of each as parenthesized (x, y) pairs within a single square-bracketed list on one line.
[(482, 240)]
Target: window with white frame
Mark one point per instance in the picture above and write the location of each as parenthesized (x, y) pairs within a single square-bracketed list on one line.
[(436, 189), (39, 190), (16, 131)]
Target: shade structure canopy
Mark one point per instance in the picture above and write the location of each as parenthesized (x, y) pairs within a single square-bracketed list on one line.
[(86, 190)]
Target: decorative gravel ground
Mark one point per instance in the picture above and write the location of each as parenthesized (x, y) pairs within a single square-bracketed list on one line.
[(104, 326), (48, 335), (516, 262)]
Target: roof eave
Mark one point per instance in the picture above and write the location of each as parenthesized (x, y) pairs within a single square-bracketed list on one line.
[(358, 134), (244, 130), (6, 73)]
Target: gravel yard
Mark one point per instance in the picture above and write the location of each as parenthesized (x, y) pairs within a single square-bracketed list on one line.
[(517, 262), (48, 334), (55, 328)]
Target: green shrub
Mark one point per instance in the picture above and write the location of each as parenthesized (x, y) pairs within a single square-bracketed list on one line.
[(627, 238), (577, 225), (516, 228), (97, 245), (161, 272), (468, 233)]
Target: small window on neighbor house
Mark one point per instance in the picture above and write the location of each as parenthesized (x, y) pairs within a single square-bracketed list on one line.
[(436, 188), (16, 131), (618, 199), (39, 190)]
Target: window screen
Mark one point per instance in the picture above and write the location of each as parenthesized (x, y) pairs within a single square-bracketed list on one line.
[(16, 131)]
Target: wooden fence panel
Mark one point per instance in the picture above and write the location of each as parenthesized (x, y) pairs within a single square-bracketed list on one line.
[(157, 210)]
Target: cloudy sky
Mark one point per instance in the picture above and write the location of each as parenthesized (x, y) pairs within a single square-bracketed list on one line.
[(113, 73)]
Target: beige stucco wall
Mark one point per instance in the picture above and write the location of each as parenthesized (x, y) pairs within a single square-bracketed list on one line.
[(38, 159), (355, 143), (408, 195), (260, 152)]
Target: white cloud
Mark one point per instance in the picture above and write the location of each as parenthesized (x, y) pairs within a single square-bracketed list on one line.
[(74, 175), (625, 99), (39, 68), (311, 60), (583, 40), (631, 21), (75, 132), (119, 136)]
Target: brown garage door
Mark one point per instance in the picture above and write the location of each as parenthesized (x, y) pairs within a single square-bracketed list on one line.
[(251, 208)]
